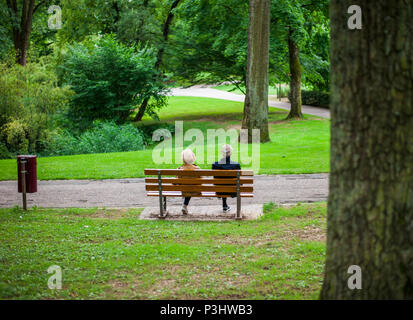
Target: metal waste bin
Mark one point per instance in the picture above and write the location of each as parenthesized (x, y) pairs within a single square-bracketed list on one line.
[(27, 163)]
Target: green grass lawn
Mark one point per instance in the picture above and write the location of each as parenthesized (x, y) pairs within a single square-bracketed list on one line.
[(110, 254), (295, 147)]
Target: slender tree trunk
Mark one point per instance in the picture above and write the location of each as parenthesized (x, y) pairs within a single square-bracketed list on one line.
[(256, 98), (159, 57), (370, 206), (295, 82), (21, 34), (142, 110)]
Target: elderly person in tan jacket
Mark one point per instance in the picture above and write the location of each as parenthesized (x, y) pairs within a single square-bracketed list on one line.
[(188, 158)]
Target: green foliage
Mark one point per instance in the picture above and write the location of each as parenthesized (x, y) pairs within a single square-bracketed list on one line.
[(102, 138), (5, 39), (15, 134), (4, 152), (29, 97), (315, 55), (315, 98), (148, 129), (42, 38), (214, 37), (111, 80), (131, 21)]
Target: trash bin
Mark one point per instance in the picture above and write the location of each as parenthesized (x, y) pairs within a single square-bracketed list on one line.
[(31, 173)]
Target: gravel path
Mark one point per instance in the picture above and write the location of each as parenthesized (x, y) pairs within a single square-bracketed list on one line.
[(207, 92), (120, 193)]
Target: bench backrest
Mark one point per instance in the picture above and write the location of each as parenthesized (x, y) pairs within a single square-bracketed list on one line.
[(226, 181)]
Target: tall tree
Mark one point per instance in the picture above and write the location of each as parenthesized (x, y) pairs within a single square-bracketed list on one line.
[(256, 98), (21, 17), (159, 57), (299, 23), (295, 78), (370, 206)]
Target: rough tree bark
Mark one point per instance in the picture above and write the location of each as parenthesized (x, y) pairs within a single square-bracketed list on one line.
[(256, 98), (21, 33), (295, 80), (370, 206), (159, 57)]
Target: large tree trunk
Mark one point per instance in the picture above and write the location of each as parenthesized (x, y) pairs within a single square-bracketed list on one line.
[(295, 80), (21, 34), (159, 57), (256, 98), (370, 206)]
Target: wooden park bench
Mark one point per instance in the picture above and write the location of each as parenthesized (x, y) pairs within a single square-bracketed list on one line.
[(203, 183)]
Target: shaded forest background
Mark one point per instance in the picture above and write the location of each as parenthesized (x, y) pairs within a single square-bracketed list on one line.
[(113, 62)]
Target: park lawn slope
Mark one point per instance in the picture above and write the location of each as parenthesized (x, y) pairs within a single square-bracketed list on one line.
[(297, 146), (111, 254)]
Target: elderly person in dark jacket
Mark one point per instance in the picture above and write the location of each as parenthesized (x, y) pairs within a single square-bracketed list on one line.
[(226, 164)]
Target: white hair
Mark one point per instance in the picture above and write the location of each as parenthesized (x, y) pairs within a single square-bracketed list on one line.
[(188, 156), (226, 150)]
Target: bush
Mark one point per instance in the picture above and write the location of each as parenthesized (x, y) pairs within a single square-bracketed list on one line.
[(147, 131), (61, 142), (314, 98), (29, 97), (102, 138), (111, 80), (4, 153), (15, 134)]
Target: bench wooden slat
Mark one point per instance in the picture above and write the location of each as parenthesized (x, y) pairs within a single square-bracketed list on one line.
[(198, 173), (197, 188), (203, 194), (229, 181)]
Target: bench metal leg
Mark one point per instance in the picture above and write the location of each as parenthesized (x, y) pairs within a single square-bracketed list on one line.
[(161, 204), (165, 211), (238, 217)]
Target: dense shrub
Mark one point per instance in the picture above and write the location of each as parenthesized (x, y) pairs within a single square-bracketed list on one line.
[(148, 130), (29, 97), (15, 134), (314, 98), (111, 80), (4, 152), (102, 138)]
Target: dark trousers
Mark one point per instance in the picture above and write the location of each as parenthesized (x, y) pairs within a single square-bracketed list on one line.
[(224, 201)]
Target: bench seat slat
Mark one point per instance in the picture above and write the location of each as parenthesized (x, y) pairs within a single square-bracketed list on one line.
[(197, 188), (203, 194), (225, 181), (198, 173)]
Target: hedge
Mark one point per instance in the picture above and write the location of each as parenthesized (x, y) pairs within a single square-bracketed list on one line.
[(314, 98)]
